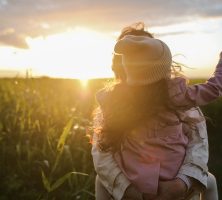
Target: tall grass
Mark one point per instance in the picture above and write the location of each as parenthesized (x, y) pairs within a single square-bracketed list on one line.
[(44, 147)]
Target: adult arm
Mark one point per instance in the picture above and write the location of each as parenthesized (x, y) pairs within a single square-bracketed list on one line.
[(116, 183), (197, 152), (106, 167), (109, 173), (194, 171), (193, 168)]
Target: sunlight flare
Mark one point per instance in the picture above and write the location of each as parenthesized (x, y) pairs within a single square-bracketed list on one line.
[(78, 53), (84, 82)]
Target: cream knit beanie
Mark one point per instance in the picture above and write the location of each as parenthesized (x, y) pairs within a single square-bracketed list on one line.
[(145, 60)]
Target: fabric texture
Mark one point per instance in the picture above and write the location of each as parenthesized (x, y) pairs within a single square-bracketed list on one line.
[(112, 177), (185, 97), (145, 60), (153, 152)]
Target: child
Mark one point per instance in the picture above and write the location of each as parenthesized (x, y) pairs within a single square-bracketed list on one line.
[(142, 122)]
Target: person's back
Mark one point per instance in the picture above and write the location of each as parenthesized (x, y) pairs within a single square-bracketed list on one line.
[(148, 68), (154, 145), (153, 151), (183, 106), (178, 96)]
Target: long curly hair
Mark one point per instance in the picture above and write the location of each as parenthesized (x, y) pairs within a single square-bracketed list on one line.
[(126, 106)]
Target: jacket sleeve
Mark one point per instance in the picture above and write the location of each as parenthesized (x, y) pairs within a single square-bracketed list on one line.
[(107, 169), (109, 173), (197, 152), (184, 96), (194, 165)]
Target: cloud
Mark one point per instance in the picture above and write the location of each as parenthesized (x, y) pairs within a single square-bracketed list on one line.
[(9, 37), (31, 18)]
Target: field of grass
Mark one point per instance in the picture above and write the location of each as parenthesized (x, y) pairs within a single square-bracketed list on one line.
[(45, 144)]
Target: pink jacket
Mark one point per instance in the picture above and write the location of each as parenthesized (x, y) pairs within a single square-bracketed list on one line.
[(156, 150), (153, 152)]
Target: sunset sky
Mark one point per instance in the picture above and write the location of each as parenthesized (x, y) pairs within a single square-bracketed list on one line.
[(75, 38)]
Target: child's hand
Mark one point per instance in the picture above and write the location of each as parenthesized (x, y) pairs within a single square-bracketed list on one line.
[(169, 190), (132, 193)]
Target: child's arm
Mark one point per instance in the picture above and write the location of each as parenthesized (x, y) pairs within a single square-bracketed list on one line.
[(181, 95)]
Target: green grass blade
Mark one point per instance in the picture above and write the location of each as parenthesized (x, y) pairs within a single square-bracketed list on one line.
[(64, 135), (61, 180), (46, 182)]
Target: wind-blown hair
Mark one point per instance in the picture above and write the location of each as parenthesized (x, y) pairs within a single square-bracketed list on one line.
[(136, 29), (126, 107)]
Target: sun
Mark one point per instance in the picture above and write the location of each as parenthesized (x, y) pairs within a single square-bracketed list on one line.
[(84, 82), (79, 53)]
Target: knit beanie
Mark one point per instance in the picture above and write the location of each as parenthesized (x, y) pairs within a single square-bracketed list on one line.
[(145, 60)]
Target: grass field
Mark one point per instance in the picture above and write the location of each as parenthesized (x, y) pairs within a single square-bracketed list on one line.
[(45, 144)]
